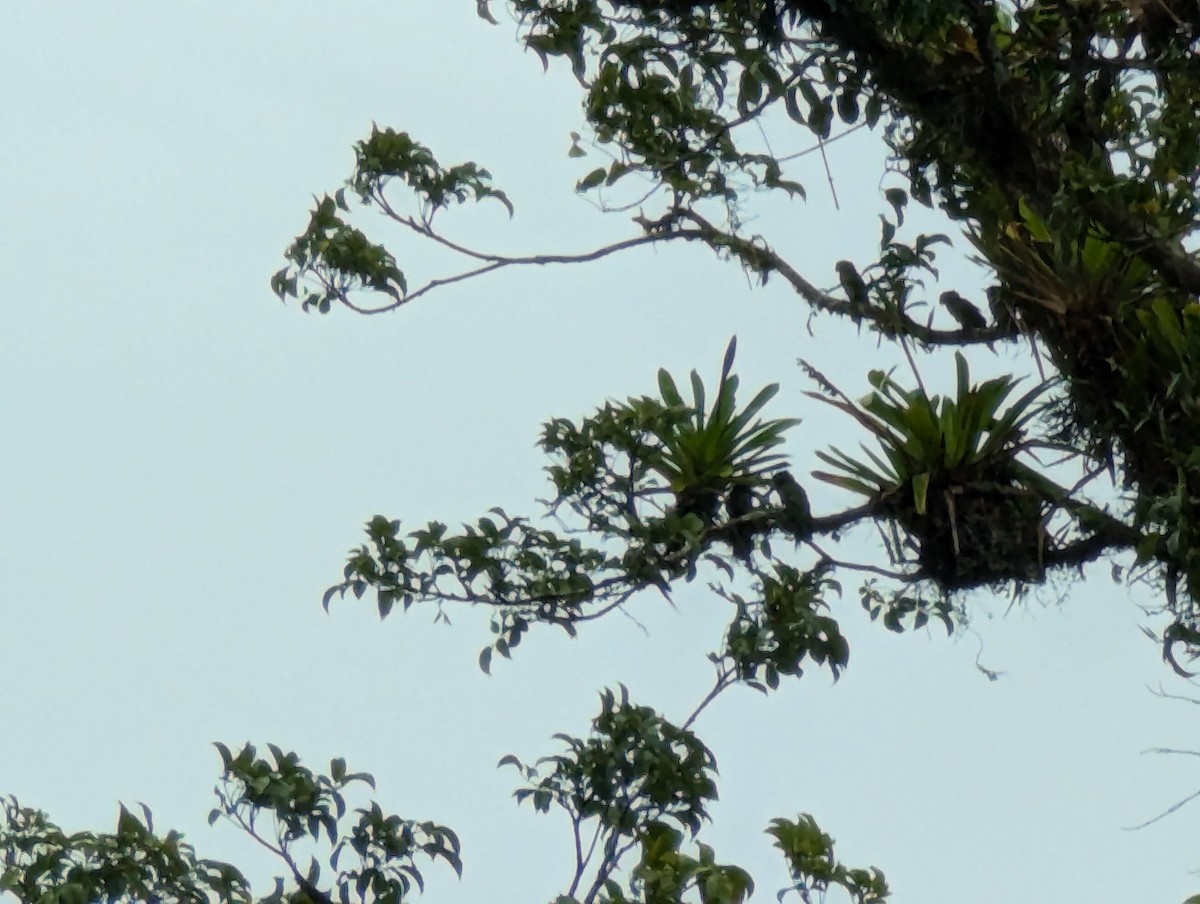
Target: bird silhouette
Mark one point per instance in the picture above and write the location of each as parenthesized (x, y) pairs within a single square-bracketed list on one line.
[(739, 503), (852, 283), (796, 518), (968, 316)]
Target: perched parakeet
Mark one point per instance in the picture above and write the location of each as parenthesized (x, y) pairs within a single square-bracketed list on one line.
[(968, 316), (852, 283), (704, 503), (797, 515), (739, 503)]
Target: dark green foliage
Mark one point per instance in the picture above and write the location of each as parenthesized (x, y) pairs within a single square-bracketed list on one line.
[(636, 769), (739, 504), (814, 868), (637, 782), (784, 624), (339, 259), (388, 155), (899, 606), (1061, 140), (647, 480), (373, 855), (43, 864)]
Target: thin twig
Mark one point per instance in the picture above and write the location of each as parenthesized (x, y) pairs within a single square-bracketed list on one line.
[(1165, 813), (818, 148), (538, 260), (724, 680), (854, 566), (828, 174), (1169, 696)]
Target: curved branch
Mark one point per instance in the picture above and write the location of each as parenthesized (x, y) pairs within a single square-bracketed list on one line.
[(497, 263), (766, 260)]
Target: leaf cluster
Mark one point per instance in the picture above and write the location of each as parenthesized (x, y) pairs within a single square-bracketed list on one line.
[(635, 769), (302, 806), (815, 868), (387, 154), (44, 865), (339, 258), (783, 625)]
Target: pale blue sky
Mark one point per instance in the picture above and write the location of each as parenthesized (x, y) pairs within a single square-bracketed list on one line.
[(185, 461)]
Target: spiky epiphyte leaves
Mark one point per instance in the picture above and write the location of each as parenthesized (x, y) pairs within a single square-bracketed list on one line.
[(949, 473), (924, 436), (719, 448), (1002, 309)]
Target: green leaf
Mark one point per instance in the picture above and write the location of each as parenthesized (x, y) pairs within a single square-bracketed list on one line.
[(727, 364), (592, 179), (898, 199), (667, 388), (920, 483), (337, 769), (1035, 225)]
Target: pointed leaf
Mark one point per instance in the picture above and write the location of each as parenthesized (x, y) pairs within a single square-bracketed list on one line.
[(668, 390), (730, 351), (920, 483)]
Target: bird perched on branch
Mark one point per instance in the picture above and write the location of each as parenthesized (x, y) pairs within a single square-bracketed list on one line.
[(702, 502), (796, 518), (738, 504), (968, 316), (852, 283)]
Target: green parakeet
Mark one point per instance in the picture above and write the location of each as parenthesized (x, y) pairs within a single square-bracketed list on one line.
[(968, 316), (852, 283), (797, 515), (738, 504)]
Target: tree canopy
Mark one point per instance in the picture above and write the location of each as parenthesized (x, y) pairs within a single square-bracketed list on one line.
[(1060, 139)]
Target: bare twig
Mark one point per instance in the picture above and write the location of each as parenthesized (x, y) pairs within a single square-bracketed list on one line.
[(828, 174), (855, 566), (1165, 813), (725, 678), (1169, 696), (1172, 750), (498, 262)]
